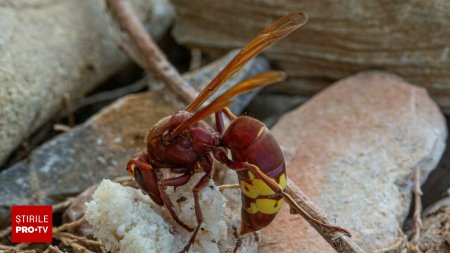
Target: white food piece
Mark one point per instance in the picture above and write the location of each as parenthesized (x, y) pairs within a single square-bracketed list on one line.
[(126, 220)]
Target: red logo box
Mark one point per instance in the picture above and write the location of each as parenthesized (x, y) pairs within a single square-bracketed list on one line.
[(31, 224)]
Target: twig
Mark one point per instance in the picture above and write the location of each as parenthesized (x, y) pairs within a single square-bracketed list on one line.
[(123, 180), (61, 128), (196, 59), (417, 206), (154, 59), (337, 240), (5, 232), (54, 249), (74, 245), (100, 248), (61, 205), (72, 240), (72, 224), (6, 247), (394, 247), (69, 109), (15, 247), (227, 186), (80, 239)]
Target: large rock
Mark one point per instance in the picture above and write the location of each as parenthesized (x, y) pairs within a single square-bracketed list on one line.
[(52, 48), (354, 149), (341, 38)]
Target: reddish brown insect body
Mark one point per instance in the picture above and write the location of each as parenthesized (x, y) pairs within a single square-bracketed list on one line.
[(185, 144), (250, 141)]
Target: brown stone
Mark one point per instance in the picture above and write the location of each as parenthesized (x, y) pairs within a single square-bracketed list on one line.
[(341, 38), (353, 150)]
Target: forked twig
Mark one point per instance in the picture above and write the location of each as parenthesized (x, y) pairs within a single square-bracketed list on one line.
[(158, 65)]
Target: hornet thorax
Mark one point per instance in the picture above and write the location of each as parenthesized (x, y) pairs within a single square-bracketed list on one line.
[(183, 150)]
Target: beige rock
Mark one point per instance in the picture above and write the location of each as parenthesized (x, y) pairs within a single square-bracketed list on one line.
[(341, 38), (50, 48), (353, 149)]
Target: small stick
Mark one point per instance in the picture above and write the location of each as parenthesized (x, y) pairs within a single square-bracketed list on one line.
[(196, 59), (75, 246), (79, 238), (6, 247), (227, 186), (15, 247), (61, 128), (62, 205), (100, 248), (5, 232), (54, 249), (69, 109), (72, 224), (395, 246), (154, 59), (417, 206)]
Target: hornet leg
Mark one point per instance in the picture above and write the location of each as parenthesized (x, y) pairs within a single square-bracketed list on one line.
[(198, 212), (220, 126), (176, 181)]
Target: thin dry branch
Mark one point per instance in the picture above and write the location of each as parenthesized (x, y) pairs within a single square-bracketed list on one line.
[(72, 224), (53, 249), (80, 239), (68, 108), (5, 232), (154, 59), (17, 247), (417, 206), (62, 205)]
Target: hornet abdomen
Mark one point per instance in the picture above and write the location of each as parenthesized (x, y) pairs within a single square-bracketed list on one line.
[(250, 141)]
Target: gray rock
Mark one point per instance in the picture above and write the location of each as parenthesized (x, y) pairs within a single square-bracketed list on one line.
[(353, 149), (52, 48)]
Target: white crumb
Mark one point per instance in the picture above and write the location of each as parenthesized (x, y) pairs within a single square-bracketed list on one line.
[(127, 221)]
